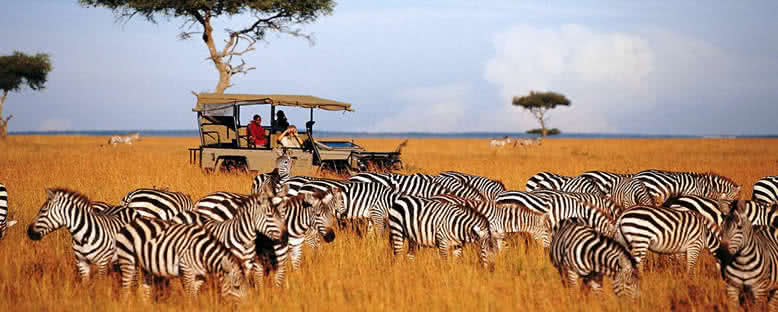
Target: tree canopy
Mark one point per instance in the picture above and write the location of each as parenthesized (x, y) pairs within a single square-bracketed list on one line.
[(268, 16), (538, 104), (18, 70)]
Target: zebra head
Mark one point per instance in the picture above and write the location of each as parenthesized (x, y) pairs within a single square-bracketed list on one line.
[(231, 278), (55, 212), (284, 164), (4, 226), (488, 244), (324, 220), (268, 219), (719, 187), (735, 232)]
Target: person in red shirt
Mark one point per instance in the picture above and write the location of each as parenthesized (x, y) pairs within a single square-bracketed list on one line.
[(256, 132)]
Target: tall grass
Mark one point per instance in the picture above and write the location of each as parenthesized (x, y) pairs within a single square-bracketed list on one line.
[(356, 273)]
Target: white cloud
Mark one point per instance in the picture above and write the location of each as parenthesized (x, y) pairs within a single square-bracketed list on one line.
[(612, 78), (429, 109), (55, 125)]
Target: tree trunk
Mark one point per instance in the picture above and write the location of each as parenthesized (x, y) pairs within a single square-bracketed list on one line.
[(3, 122), (216, 57)]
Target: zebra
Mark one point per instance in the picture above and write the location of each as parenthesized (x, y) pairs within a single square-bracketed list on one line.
[(546, 180), (94, 234), (124, 139), (627, 192), (428, 223), (666, 230), (664, 185), (581, 184), (157, 203), (577, 250), (221, 205), (485, 186), (503, 219), (417, 184), (5, 224), (373, 177), (748, 260), (303, 212), (601, 202), (562, 205), (766, 190), (714, 210), (537, 202), (605, 180), (165, 249), (282, 172)]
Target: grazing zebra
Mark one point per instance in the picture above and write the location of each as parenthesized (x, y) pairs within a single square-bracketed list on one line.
[(221, 205), (537, 202), (485, 186), (664, 185), (546, 180), (4, 223), (766, 190), (302, 212), (601, 202), (166, 249), (373, 177), (417, 184), (503, 219), (604, 180), (666, 230), (581, 184), (156, 203), (577, 250), (749, 260), (628, 192), (94, 234), (714, 210), (428, 223)]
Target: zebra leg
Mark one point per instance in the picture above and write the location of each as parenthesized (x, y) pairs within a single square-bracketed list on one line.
[(148, 281), (691, 257), (733, 293), (190, 282), (295, 253), (572, 278), (443, 244), (594, 282), (411, 250), (83, 269), (129, 276), (102, 267), (458, 251), (258, 273), (396, 240), (282, 256)]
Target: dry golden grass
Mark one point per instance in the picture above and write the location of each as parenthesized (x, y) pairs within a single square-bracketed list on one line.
[(352, 273)]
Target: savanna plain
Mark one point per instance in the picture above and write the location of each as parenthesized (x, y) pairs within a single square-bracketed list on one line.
[(355, 273)]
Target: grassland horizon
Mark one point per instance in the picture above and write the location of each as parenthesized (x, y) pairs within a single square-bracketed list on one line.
[(357, 273)]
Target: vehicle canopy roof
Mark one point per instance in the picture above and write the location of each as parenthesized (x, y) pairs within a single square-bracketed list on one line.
[(215, 102)]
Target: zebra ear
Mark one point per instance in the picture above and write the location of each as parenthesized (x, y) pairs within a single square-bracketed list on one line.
[(11, 223), (49, 193)]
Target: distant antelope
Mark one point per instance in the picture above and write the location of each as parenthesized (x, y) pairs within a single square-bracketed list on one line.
[(124, 139)]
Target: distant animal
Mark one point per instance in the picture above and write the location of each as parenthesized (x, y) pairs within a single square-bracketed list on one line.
[(124, 139), (500, 142), (4, 223), (530, 142)]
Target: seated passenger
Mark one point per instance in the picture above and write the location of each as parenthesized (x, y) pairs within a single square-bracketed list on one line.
[(256, 132), (290, 138), (281, 122)]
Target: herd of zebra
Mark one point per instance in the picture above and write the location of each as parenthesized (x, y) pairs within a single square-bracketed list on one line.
[(595, 225)]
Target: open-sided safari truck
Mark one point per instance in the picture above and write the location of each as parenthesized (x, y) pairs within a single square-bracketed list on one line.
[(224, 142)]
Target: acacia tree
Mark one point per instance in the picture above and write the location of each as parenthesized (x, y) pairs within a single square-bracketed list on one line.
[(268, 16), (17, 70), (539, 103)]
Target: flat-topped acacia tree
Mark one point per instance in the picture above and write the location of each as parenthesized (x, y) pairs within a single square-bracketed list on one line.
[(539, 103), (268, 16), (17, 70)]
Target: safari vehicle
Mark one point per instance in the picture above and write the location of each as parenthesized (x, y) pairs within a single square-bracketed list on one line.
[(224, 142)]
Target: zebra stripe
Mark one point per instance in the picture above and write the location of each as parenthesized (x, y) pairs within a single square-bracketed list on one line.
[(715, 210), (627, 193), (581, 184), (749, 260), (485, 186), (604, 180), (366, 202), (93, 234), (166, 249), (373, 177), (600, 202), (155, 203), (766, 190), (4, 222), (577, 250), (664, 185), (536, 202), (666, 230), (221, 205), (546, 180), (429, 223), (562, 205)]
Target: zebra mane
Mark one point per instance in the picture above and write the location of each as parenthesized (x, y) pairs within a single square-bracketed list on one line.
[(723, 177), (75, 196)]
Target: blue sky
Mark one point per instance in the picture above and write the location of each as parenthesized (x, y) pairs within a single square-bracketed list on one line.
[(652, 67)]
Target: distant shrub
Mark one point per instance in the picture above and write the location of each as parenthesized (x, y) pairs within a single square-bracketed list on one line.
[(553, 131)]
